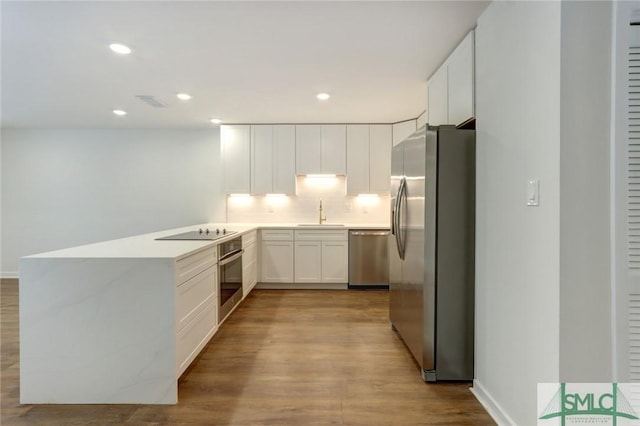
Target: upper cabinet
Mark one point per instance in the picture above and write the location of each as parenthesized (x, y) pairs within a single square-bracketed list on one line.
[(321, 149), (258, 159), (450, 90), (368, 158), (437, 97), (273, 159), (235, 146), (402, 130)]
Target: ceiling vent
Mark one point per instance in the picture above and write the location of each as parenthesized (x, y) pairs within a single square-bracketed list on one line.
[(151, 101)]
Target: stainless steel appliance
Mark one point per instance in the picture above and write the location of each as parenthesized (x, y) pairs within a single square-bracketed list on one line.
[(431, 266), (229, 276), (200, 234), (368, 259)]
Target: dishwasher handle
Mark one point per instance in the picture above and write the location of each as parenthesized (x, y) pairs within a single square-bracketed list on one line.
[(373, 233)]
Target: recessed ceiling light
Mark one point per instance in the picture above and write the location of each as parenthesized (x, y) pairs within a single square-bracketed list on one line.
[(119, 112), (323, 96), (183, 96), (215, 120), (120, 48)]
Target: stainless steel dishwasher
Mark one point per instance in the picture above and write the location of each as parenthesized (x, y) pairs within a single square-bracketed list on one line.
[(368, 259)]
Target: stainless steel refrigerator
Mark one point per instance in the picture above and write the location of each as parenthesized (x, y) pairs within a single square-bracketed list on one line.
[(431, 266)]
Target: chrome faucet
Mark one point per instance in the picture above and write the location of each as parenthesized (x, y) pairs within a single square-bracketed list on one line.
[(321, 219)]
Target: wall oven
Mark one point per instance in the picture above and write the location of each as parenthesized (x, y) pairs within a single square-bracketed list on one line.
[(230, 276)]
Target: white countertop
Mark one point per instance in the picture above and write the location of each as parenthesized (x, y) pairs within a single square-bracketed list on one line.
[(146, 245)]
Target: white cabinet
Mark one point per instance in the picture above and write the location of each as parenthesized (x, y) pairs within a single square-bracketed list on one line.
[(321, 256), (262, 148), (334, 149), (321, 149), (450, 90), (284, 159), (308, 149), (358, 165), (368, 158), (335, 263), (402, 130), (276, 256), (437, 97), (461, 90), (308, 262), (249, 262), (235, 146), (273, 159), (196, 304)]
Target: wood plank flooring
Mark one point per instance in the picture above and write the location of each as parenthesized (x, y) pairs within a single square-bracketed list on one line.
[(285, 357)]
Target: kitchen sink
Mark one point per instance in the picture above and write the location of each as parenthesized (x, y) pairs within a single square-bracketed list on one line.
[(318, 224)]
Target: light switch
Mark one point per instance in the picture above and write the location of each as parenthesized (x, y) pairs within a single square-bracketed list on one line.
[(533, 192)]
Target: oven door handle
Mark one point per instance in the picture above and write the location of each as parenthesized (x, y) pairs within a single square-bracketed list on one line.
[(230, 257)]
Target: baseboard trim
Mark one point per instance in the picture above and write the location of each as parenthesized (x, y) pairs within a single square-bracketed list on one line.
[(8, 275), (301, 286), (493, 408)]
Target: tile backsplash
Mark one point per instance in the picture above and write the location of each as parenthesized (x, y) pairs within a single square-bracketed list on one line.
[(303, 207)]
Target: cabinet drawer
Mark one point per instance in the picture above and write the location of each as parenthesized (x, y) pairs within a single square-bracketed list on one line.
[(194, 294), (192, 265), (277, 234), (249, 239), (321, 235), (195, 335)]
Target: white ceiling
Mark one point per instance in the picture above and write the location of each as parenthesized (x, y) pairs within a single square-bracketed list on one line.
[(244, 62)]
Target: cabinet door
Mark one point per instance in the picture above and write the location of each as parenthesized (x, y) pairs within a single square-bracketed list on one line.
[(284, 159), (358, 156), (461, 82), (379, 158), (437, 97), (262, 159), (276, 261), (308, 257), (335, 257), (334, 149), (308, 151), (249, 268), (235, 144), (402, 130)]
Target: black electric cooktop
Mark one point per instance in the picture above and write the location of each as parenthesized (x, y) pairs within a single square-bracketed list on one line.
[(200, 234)]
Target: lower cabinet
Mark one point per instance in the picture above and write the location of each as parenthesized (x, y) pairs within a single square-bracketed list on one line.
[(308, 262), (321, 256), (276, 256), (335, 262), (249, 262), (196, 314)]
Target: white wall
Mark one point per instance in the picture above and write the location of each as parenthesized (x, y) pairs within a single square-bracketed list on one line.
[(517, 247), (62, 188), (585, 284), (543, 286), (304, 206)]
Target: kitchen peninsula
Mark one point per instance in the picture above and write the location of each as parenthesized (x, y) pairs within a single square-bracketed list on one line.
[(116, 322)]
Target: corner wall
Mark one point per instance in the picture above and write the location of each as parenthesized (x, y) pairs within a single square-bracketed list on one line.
[(586, 353), (517, 247), (67, 187)]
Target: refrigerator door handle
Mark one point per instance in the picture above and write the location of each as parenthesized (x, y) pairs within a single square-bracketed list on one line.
[(393, 219), (398, 215)]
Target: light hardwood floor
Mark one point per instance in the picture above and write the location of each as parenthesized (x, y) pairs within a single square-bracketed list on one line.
[(283, 358)]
